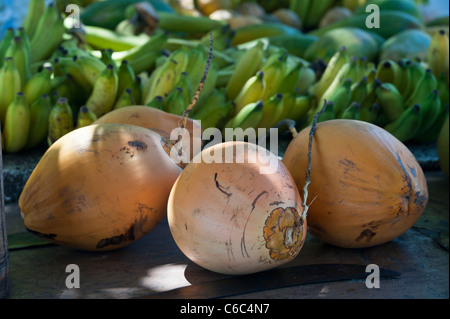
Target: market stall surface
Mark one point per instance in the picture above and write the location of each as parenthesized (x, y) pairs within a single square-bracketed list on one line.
[(154, 264)]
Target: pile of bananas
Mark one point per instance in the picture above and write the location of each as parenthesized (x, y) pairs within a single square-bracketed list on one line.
[(261, 73)]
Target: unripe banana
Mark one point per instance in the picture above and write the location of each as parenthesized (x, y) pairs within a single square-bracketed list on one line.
[(196, 65), (370, 113), (125, 99), (39, 116), (21, 54), (433, 132), (427, 84), (215, 111), (430, 109), (250, 92), (438, 53), (5, 43), (186, 86), (104, 92), (60, 121), (306, 80), (248, 117), (125, 76), (341, 97), (296, 106), (85, 117), (17, 124), (390, 99), (174, 102), (352, 112), (340, 77), (416, 73), (10, 85), (157, 102), (291, 79), (39, 83), (328, 113), (106, 58), (247, 66), (407, 125), (272, 111), (405, 77), (442, 87), (36, 9), (359, 90), (90, 67), (274, 73), (389, 71)]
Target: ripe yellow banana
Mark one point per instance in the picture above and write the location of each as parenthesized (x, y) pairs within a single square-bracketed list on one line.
[(39, 115), (60, 120), (39, 83), (85, 117), (10, 85), (274, 73), (104, 92), (17, 124), (247, 66), (438, 53), (250, 92)]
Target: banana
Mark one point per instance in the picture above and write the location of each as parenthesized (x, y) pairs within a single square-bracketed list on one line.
[(196, 65), (272, 111), (390, 99), (104, 92), (39, 115), (433, 132), (405, 76), (216, 110), (143, 57), (359, 90), (17, 124), (427, 84), (21, 54), (252, 32), (341, 97), (222, 36), (443, 89), (315, 12), (174, 102), (407, 125), (174, 22), (389, 71), (328, 113), (106, 58), (36, 9), (248, 117), (126, 77), (186, 86), (136, 86), (369, 113), (337, 61), (301, 8), (5, 43), (438, 53), (352, 112), (169, 74), (48, 35), (85, 117), (416, 72), (60, 120), (250, 92), (39, 83), (157, 102), (90, 67), (10, 85), (291, 79), (430, 109), (274, 73), (296, 106), (306, 80), (247, 66), (102, 38), (67, 66), (124, 99)]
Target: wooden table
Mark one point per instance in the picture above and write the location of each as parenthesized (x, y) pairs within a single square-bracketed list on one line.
[(155, 264)]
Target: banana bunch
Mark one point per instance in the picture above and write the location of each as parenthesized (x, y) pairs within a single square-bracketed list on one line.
[(404, 97)]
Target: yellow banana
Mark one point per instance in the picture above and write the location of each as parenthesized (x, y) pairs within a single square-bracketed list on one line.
[(60, 120), (438, 53), (246, 67), (104, 92), (174, 102), (90, 67), (124, 99), (250, 92), (39, 83), (17, 124), (389, 71), (274, 73), (85, 117), (340, 77), (36, 9), (248, 117), (390, 99), (39, 115), (407, 125), (272, 111), (10, 85)]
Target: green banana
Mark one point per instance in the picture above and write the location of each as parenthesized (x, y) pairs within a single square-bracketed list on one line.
[(433, 132), (126, 76), (247, 66), (196, 65), (427, 84), (389, 71), (430, 109), (39, 115), (266, 29), (85, 117), (443, 89), (416, 72), (67, 66), (248, 117), (5, 43), (39, 83), (10, 85), (405, 76), (126, 98), (17, 124), (346, 72), (48, 35), (337, 61), (174, 22), (216, 110), (316, 11), (291, 79), (174, 102), (106, 57), (90, 67), (36, 9), (157, 102), (209, 85), (136, 86), (104, 92), (390, 99), (328, 113), (407, 125), (21, 54), (407, 6), (359, 90), (306, 80), (274, 73), (272, 111), (369, 113), (352, 112), (438, 53), (296, 106), (301, 8), (222, 36), (250, 92), (60, 120), (102, 38), (341, 97)]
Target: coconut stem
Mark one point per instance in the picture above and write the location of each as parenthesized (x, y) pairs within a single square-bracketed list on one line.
[(308, 170)]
